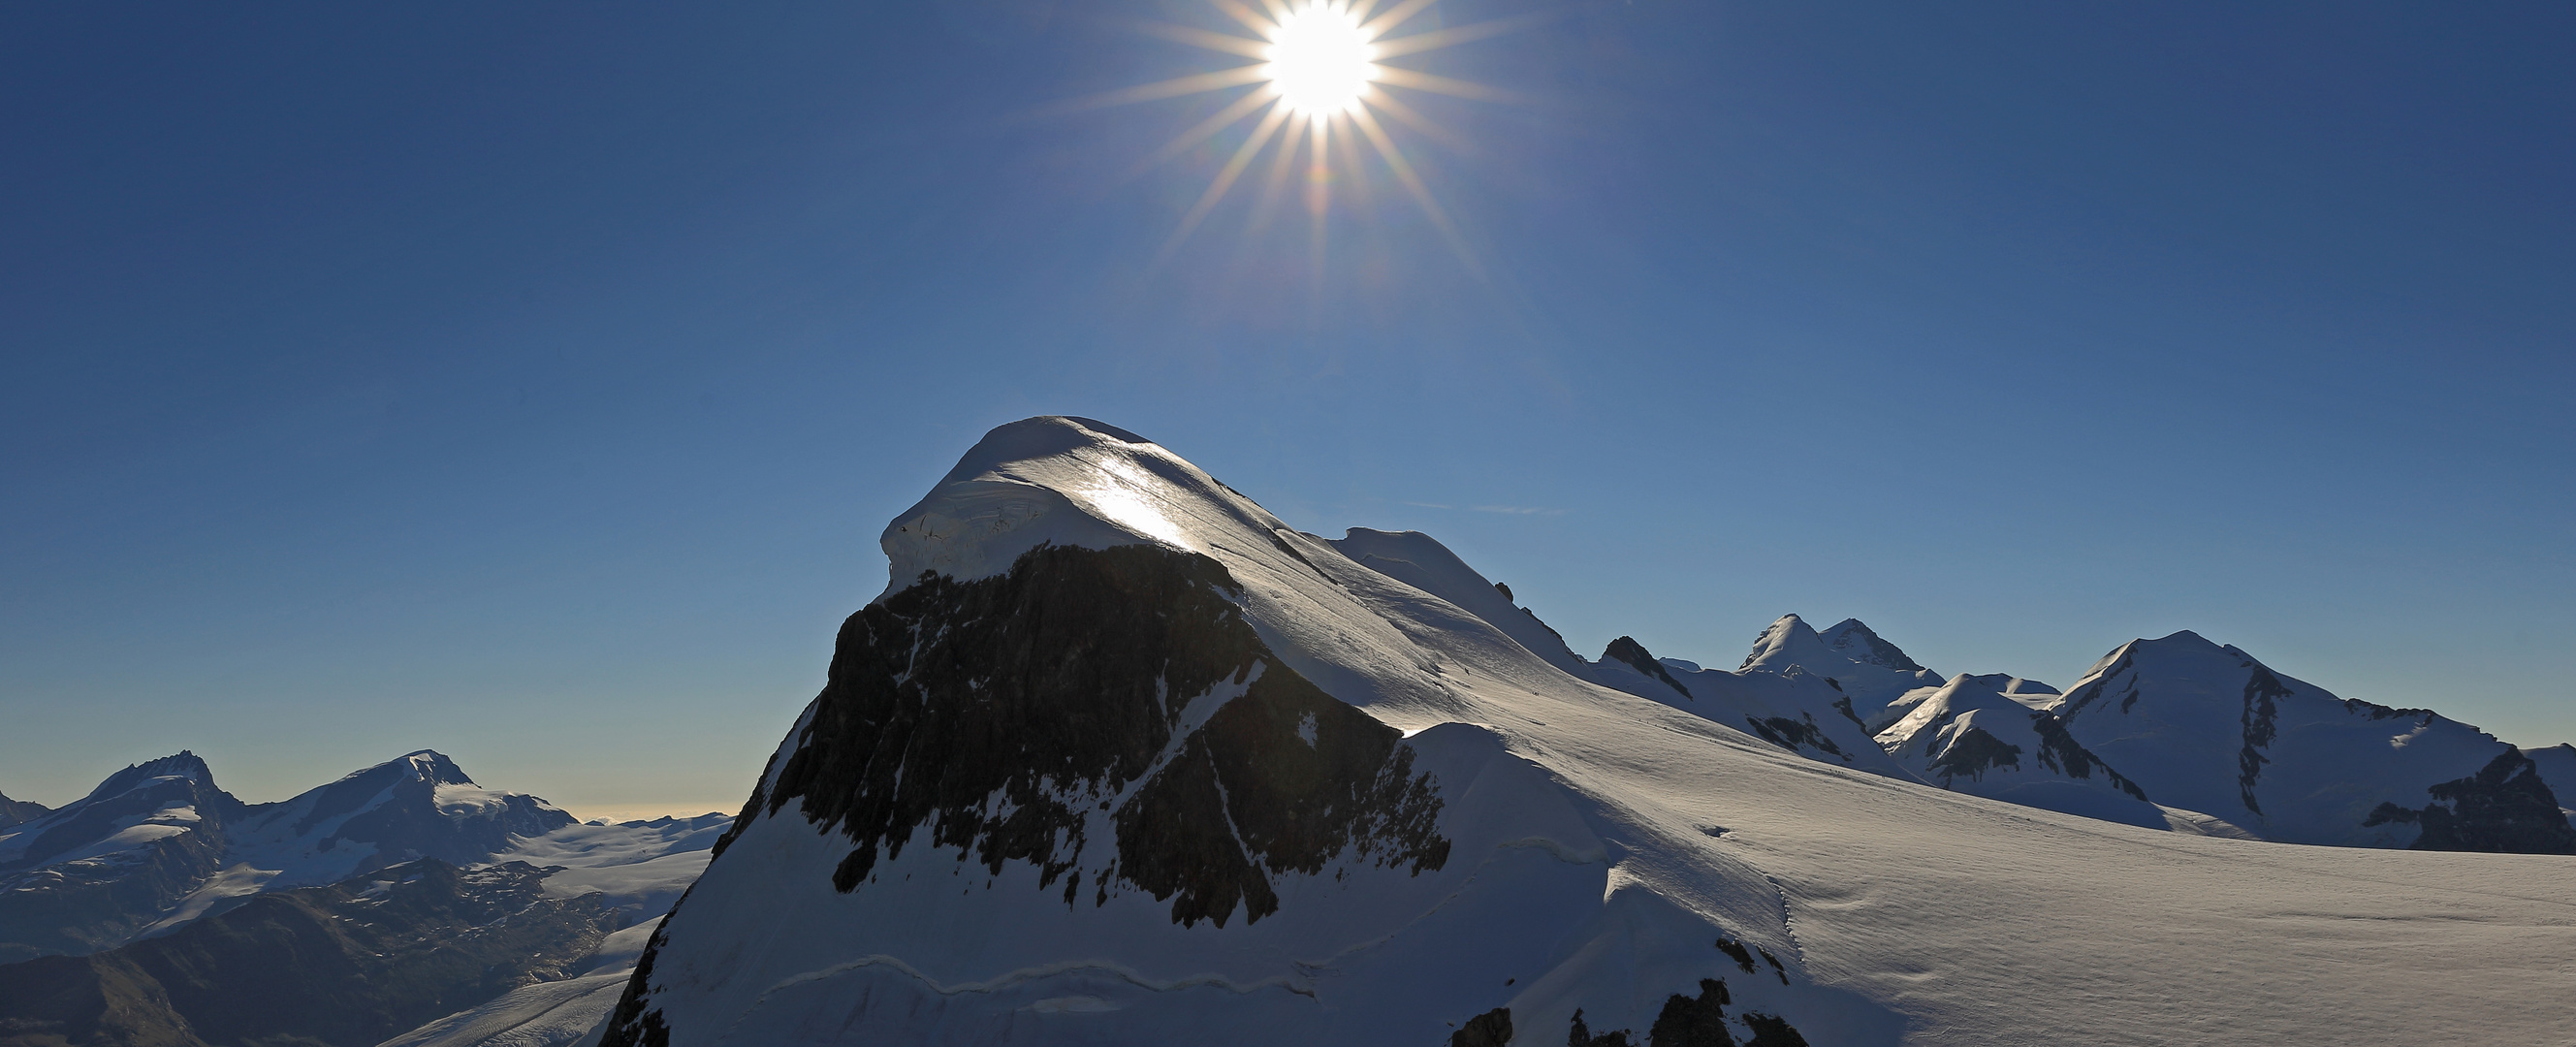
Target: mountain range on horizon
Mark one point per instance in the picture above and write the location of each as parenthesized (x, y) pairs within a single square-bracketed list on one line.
[(1119, 757), (159, 909)]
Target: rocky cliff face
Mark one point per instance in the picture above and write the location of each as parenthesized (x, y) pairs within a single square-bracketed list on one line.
[(1101, 710)]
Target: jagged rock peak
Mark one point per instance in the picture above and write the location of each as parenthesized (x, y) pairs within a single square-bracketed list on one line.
[(1857, 642)]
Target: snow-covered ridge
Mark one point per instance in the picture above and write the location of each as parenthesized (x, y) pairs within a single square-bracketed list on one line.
[(1623, 854)]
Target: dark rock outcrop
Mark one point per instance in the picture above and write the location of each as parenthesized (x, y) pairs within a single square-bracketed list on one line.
[(1490, 1029), (1628, 652), (1122, 681), (1058, 686), (1693, 1021), (2504, 808)]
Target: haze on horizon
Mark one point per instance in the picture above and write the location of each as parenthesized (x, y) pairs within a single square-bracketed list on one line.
[(531, 384)]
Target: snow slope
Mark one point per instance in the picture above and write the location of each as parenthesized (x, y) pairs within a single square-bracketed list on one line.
[(997, 826)]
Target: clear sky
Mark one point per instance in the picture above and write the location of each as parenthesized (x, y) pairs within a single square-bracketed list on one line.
[(531, 381)]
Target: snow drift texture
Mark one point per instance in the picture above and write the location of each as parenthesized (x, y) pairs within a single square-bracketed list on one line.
[(1118, 757)]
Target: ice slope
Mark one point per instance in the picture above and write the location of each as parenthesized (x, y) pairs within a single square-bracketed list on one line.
[(2208, 728), (639, 867), (1603, 850), (1970, 736)]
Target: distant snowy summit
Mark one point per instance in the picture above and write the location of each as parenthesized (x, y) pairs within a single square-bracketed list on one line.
[(2217, 731), (158, 845), (1119, 757), (402, 901)]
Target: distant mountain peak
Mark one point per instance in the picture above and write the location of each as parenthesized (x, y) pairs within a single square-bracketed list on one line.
[(1783, 633), (435, 766), (182, 764), (1860, 644)]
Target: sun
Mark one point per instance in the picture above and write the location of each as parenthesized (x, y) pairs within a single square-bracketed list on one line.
[(1319, 60), (1320, 74)]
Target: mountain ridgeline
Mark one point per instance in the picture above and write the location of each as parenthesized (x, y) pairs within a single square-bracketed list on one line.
[(160, 911), (148, 849), (1119, 757)]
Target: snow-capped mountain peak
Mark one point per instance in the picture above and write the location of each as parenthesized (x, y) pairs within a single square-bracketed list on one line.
[(2211, 729), (418, 805), (1102, 654), (1884, 674), (1858, 643)]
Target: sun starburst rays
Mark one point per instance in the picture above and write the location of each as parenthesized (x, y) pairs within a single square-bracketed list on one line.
[(1320, 85)]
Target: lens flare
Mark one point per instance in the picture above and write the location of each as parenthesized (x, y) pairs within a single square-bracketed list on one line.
[(1319, 60), (1320, 73)]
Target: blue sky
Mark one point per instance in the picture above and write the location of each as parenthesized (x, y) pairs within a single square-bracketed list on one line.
[(530, 382)]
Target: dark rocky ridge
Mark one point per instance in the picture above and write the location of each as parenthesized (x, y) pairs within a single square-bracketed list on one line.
[(2058, 751), (1791, 734), (346, 965), (1057, 689), (1973, 752), (2262, 711), (1627, 651), (2504, 808)]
